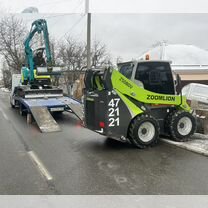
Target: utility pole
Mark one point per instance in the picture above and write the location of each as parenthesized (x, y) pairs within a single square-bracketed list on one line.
[(88, 34)]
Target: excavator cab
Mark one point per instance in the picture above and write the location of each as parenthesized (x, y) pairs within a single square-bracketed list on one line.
[(38, 58)]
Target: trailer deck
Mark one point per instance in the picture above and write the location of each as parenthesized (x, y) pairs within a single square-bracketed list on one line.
[(41, 108)]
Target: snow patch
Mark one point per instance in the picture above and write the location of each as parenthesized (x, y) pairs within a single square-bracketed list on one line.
[(198, 144), (3, 89)]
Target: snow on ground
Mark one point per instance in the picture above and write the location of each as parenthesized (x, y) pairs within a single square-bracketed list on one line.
[(3, 89), (198, 144)]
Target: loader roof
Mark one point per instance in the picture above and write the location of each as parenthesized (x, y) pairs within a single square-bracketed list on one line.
[(143, 61)]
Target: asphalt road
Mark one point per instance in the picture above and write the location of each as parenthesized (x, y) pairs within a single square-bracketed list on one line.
[(78, 161)]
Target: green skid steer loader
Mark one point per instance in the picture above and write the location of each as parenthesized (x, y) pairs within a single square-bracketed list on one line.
[(137, 103)]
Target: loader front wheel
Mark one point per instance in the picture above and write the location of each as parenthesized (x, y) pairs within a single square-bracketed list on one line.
[(144, 131), (182, 125)]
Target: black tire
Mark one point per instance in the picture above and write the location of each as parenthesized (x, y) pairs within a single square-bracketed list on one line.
[(22, 111), (12, 106), (182, 125), (136, 126)]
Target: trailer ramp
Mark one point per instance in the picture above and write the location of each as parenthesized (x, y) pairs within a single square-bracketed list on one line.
[(76, 107), (44, 119)]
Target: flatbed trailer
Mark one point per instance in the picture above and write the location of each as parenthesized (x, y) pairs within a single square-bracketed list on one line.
[(39, 104), (40, 109)]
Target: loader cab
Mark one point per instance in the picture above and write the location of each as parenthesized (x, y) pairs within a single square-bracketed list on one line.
[(155, 76)]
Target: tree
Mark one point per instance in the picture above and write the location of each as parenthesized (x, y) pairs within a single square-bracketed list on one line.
[(12, 36), (119, 59), (100, 56), (6, 74), (72, 54)]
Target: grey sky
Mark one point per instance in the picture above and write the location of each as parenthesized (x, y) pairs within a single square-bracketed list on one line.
[(100, 6), (129, 35), (126, 35)]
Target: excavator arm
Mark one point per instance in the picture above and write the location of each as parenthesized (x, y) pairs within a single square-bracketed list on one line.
[(38, 26)]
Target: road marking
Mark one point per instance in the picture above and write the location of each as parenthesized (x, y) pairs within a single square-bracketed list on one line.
[(40, 165), (5, 116)]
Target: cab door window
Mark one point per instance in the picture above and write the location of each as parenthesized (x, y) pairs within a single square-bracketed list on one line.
[(127, 70), (156, 77)]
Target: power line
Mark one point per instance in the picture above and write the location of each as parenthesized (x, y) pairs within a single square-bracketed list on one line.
[(72, 13), (72, 27), (58, 15), (53, 2), (48, 17), (62, 2), (55, 22), (78, 6)]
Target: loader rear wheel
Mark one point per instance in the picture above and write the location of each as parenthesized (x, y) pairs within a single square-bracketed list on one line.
[(144, 131), (181, 125)]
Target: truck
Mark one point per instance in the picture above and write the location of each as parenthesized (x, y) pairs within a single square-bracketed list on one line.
[(32, 90)]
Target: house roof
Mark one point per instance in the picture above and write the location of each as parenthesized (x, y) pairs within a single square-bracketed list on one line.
[(182, 57)]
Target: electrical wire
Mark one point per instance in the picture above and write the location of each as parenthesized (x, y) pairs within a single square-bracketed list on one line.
[(78, 6), (48, 17), (54, 2), (72, 27), (80, 2), (59, 15)]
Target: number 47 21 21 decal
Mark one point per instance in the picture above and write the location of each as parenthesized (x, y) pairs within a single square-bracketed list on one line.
[(113, 112)]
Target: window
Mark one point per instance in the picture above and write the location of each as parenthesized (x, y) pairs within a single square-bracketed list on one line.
[(127, 70), (156, 77)]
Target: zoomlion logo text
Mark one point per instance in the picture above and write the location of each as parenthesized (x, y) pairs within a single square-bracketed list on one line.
[(125, 82), (160, 97)]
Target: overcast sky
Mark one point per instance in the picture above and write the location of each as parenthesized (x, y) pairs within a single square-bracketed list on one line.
[(129, 35), (126, 35), (122, 6)]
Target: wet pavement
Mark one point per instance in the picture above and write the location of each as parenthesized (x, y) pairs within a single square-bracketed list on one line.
[(83, 162)]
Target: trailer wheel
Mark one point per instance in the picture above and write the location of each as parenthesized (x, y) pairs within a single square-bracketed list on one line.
[(12, 102), (29, 118), (12, 106), (144, 131), (22, 112), (181, 125)]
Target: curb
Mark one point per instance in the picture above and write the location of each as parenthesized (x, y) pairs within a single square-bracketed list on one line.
[(188, 146)]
